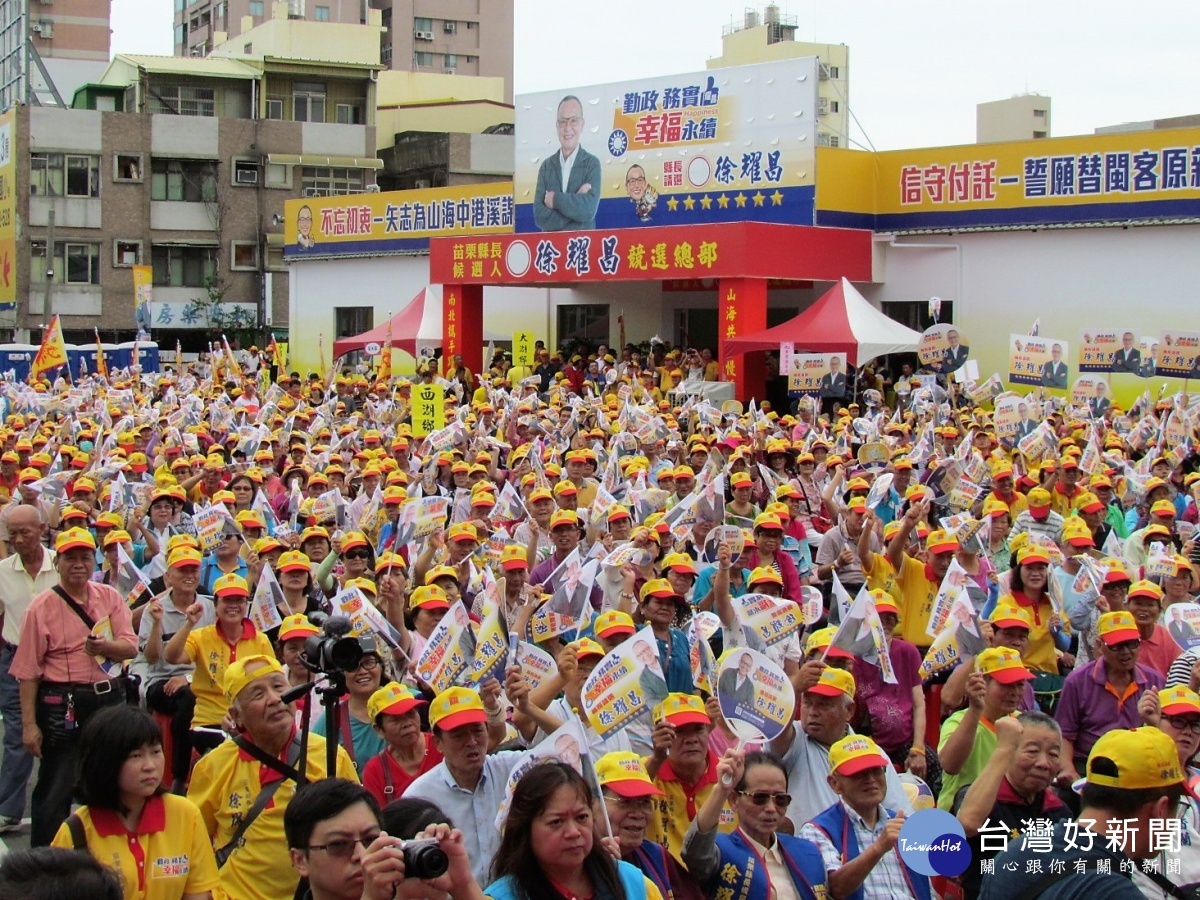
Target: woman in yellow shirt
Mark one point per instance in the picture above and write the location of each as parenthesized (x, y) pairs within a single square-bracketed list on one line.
[(155, 841)]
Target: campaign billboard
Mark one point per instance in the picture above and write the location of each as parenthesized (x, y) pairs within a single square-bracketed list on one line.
[(722, 145)]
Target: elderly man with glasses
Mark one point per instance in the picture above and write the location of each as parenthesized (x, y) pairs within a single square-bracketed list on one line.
[(1103, 695)]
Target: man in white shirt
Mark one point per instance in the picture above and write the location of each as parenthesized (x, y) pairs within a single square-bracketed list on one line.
[(568, 183), (26, 573)]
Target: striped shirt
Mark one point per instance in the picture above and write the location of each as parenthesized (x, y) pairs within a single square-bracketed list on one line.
[(887, 879)]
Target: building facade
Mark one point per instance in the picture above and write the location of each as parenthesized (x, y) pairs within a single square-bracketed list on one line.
[(455, 37), (50, 47), (184, 165), (1021, 118), (767, 36)]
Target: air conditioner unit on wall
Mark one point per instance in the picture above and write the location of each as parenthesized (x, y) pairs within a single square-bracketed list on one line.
[(450, 71), (247, 176), (823, 140), (823, 106), (423, 35)]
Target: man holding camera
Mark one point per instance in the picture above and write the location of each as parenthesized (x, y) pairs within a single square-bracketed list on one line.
[(244, 786), (335, 835)]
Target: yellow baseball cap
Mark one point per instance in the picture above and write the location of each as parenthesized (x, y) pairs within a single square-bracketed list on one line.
[(236, 676), (297, 626), (833, 682), (680, 562), (940, 541), (1146, 588), (614, 622), (1032, 555), (392, 699), (463, 531), (1135, 759), (764, 574), (564, 517), (682, 709), (1117, 627), (456, 706), (514, 556), (884, 602), (822, 638), (1038, 497), (624, 774), (1009, 615), (437, 572), (1076, 533), (1178, 701), (72, 538), (429, 596), (587, 647), (855, 753), (1003, 664), (231, 585), (295, 561), (184, 556)]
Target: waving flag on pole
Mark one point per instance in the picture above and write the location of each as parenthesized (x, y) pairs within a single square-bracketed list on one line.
[(101, 362), (52, 353), (235, 370), (861, 633), (385, 356)]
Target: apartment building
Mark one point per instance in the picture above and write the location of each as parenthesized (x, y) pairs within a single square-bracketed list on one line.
[(184, 164), (457, 37), (48, 48)]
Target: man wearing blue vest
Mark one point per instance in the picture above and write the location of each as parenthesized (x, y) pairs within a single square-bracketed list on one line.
[(857, 835), (754, 860)]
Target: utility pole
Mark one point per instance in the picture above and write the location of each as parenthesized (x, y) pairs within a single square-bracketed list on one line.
[(48, 301)]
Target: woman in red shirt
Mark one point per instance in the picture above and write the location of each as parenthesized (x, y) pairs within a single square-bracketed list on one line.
[(410, 752)]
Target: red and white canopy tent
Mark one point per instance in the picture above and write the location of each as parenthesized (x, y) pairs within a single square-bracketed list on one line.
[(841, 321), (417, 325)]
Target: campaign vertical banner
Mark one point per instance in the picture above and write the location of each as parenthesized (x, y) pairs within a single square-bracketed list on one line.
[(786, 349), (143, 295), (522, 346), (8, 211), (1177, 354), (428, 409)]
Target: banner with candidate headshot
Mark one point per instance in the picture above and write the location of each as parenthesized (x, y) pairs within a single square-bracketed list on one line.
[(1039, 361), (816, 373), (697, 148), (943, 349), (1178, 354), (1092, 393), (449, 652), (625, 685), (1098, 348), (756, 697)]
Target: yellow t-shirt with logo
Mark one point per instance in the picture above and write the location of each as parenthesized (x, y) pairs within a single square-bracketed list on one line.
[(224, 786), (168, 855), (915, 599), (674, 811), (882, 577), (211, 654)]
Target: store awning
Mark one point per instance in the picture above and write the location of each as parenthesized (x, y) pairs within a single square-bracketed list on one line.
[(335, 162)]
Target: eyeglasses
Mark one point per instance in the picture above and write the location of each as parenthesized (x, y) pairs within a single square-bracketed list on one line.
[(760, 798), (1126, 645), (344, 847), (356, 554), (1184, 723), (573, 120), (369, 663), (628, 803), (635, 180)]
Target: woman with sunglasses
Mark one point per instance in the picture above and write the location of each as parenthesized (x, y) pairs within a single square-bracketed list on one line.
[(356, 728), (127, 818), (357, 559), (757, 792)]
